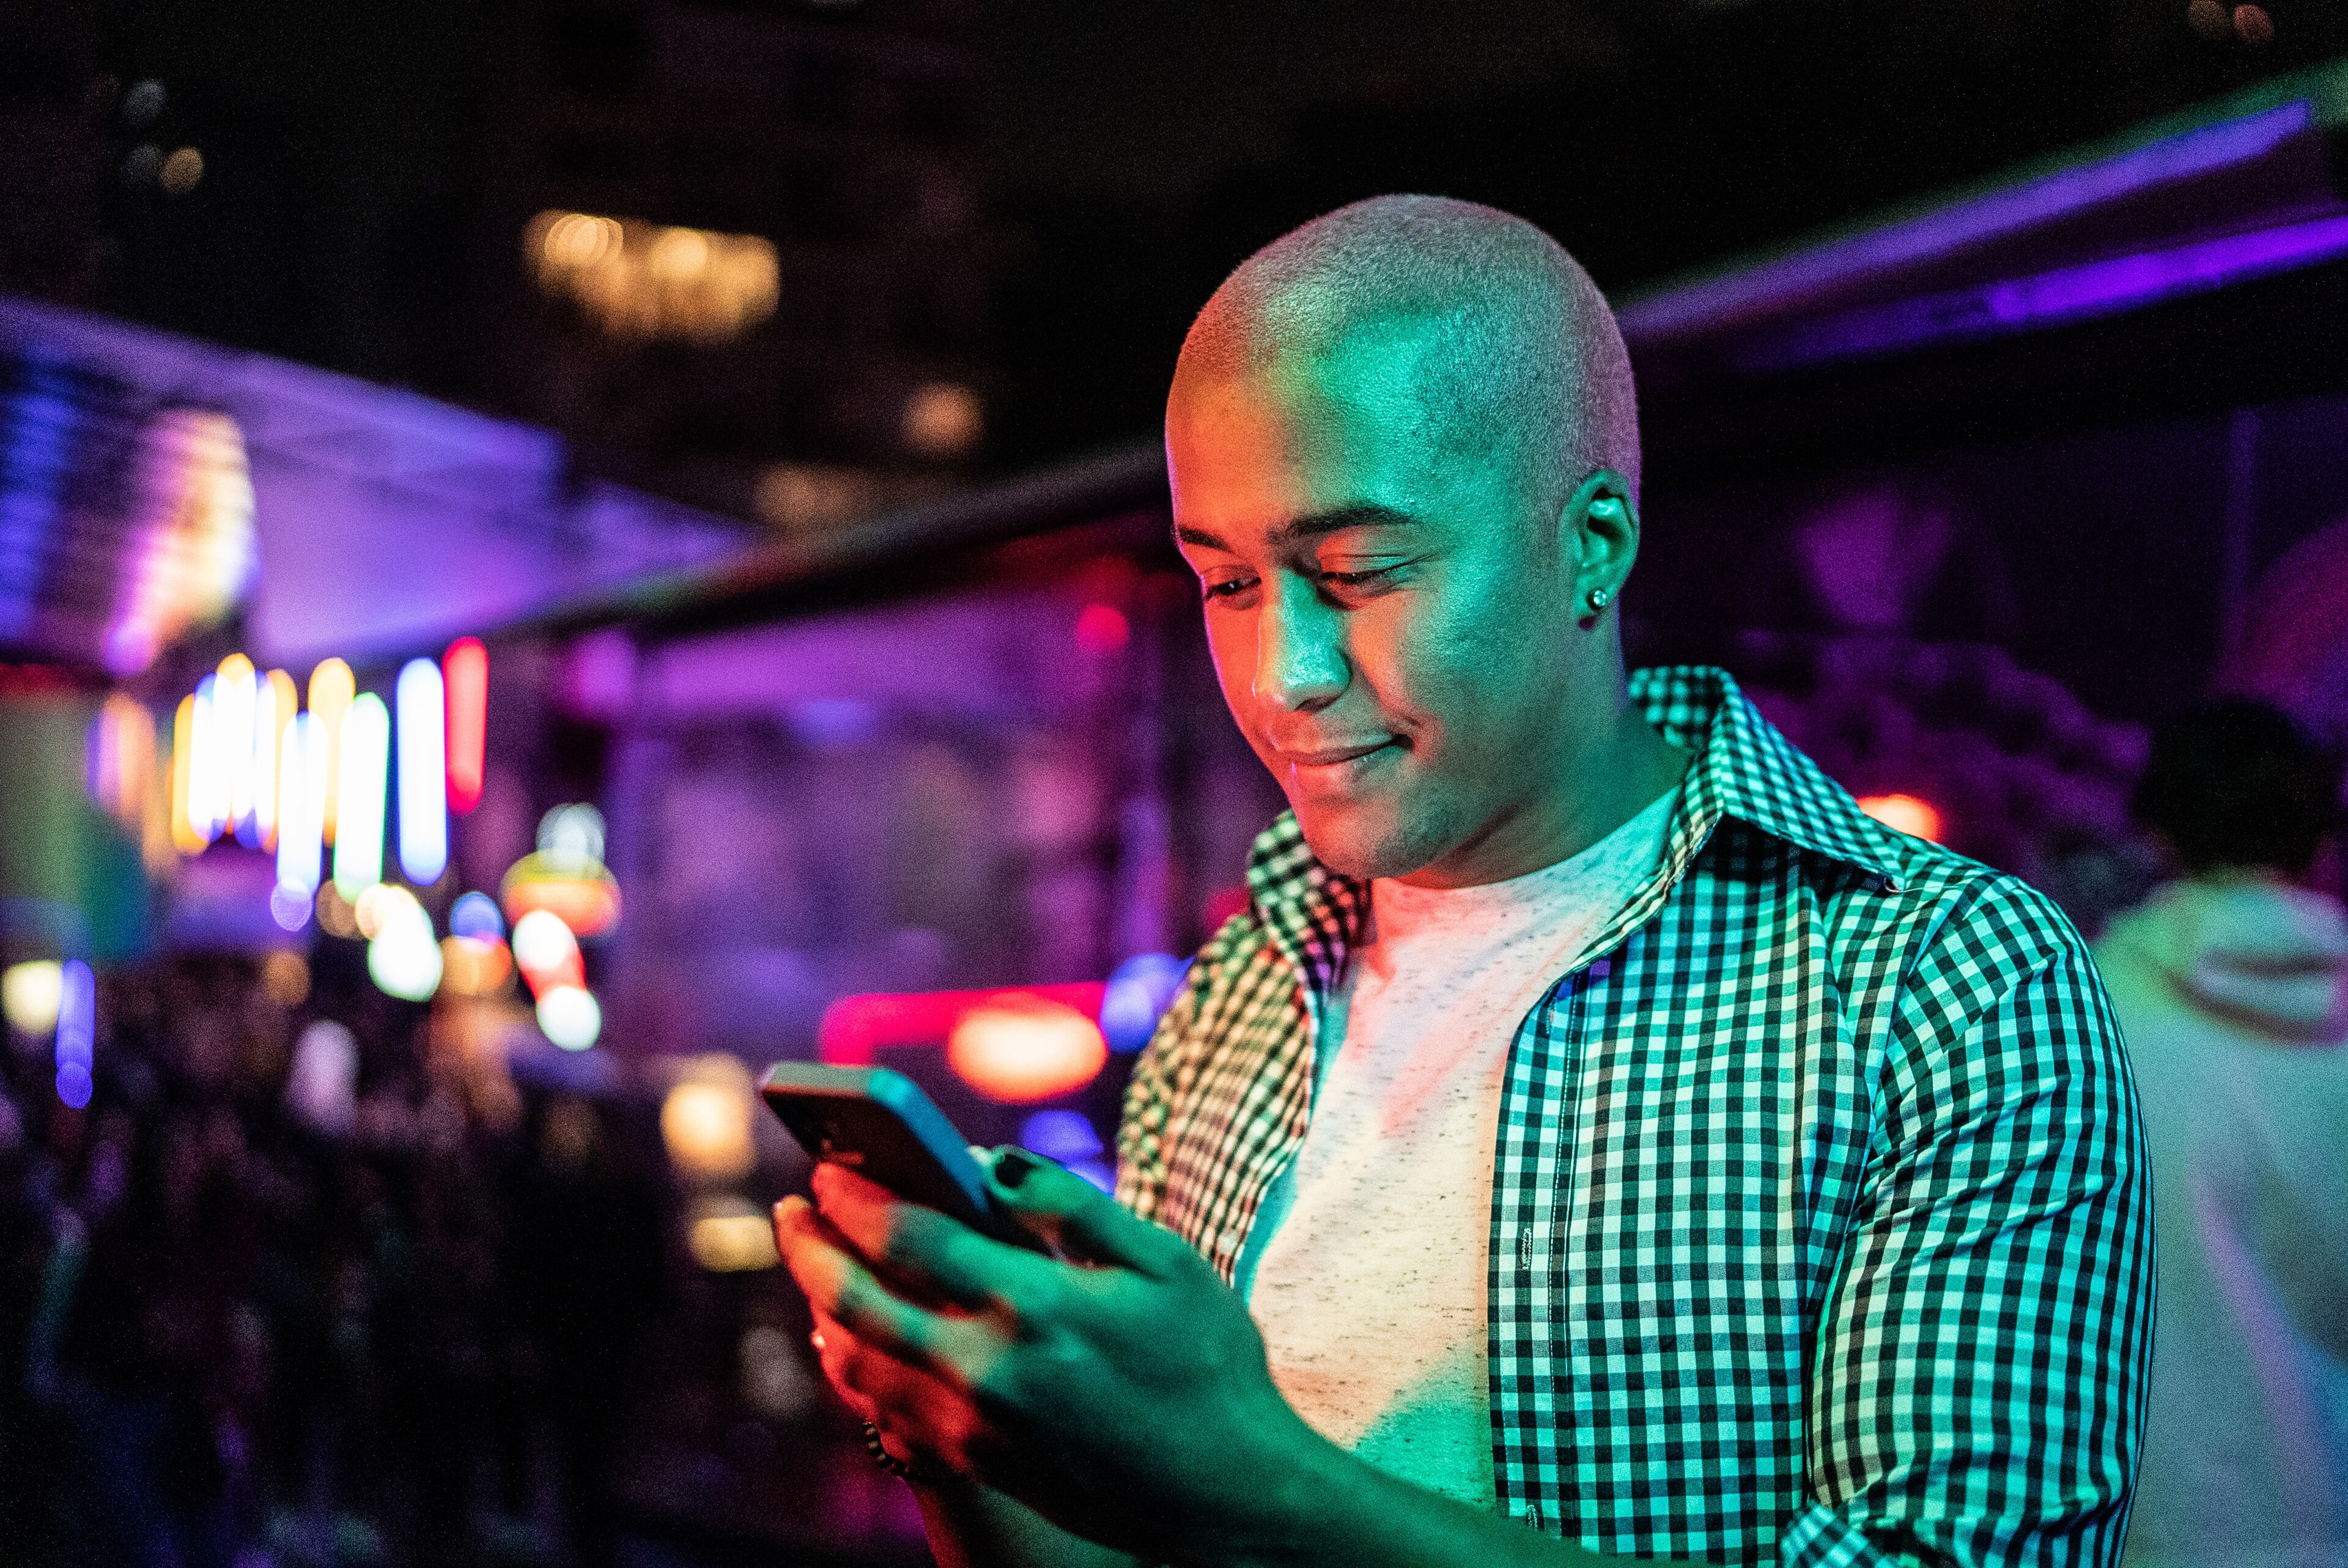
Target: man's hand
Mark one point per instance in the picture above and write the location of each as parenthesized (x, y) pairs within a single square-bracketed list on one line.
[(1123, 1395)]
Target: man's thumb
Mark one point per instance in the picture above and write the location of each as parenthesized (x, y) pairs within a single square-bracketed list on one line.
[(1074, 1216)]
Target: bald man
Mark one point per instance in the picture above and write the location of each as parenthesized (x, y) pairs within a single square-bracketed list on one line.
[(1597, 1139)]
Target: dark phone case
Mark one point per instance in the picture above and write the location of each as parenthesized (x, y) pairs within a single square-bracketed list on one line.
[(880, 1125)]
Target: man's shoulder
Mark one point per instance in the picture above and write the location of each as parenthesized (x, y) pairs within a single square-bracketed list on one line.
[(1966, 907)]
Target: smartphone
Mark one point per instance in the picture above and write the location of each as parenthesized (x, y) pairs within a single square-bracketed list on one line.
[(880, 1125)]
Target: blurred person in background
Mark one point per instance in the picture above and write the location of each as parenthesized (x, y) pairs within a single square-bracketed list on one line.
[(2231, 984)]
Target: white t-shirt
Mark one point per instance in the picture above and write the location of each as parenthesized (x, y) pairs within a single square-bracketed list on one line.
[(1365, 1268)]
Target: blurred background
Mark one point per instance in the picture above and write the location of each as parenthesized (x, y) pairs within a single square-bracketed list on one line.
[(555, 553)]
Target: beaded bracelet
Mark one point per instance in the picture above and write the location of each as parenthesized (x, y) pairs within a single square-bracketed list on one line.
[(882, 1457)]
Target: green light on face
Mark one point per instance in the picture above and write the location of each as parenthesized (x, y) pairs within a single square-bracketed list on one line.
[(358, 811)]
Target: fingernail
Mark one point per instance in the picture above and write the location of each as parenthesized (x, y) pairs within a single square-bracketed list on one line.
[(1014, 1166)]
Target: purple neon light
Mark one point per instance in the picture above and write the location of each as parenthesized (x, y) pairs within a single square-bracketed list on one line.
[(1775, 286), (2049, 299), (77, 1033)]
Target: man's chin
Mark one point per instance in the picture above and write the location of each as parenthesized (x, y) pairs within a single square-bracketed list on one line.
[(1363, 841)]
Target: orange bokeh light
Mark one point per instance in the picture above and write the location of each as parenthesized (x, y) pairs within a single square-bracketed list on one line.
[(1019, 1048), (1905, 813)]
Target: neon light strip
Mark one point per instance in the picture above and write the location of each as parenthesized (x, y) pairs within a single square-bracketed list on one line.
[(361, 770), (235, 700), (331, 689), (184, 836), (207, 779), (77, 1033), (854, 1029), (467, 666), (423, 772), (2050, 298), (301, 803), (1785, 283), (274, 704)]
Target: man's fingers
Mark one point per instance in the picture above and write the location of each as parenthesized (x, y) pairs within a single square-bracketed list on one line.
[(839, 1288), (1079, 1218), (836, 1349), (907, 1241)]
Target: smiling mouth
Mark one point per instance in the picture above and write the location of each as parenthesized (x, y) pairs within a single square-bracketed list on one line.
[(1334, 757)]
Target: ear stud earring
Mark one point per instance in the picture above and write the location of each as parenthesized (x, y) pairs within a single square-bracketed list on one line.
[(1597, 599)]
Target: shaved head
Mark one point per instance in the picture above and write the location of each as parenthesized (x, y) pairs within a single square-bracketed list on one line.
[(1403, 454), (1517, 357)]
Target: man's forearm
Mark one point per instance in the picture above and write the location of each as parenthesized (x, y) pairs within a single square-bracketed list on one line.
[(974, 1526)]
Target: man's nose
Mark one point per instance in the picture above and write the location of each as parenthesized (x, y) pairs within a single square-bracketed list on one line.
[(1300, 661)]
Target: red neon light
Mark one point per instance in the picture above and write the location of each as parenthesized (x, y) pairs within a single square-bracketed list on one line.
[(855, 1029), (465, 669), (1102, 629)]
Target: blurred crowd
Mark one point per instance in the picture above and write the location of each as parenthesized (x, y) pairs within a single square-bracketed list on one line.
[(245, 1334)]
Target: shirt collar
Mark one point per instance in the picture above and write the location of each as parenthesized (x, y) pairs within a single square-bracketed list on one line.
[(1743, 768)]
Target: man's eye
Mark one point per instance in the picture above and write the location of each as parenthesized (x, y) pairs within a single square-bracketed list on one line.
[(1356, 579), (1229, 588)]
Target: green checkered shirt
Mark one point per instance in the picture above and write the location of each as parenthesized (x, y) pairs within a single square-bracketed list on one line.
[(1819, 1213)]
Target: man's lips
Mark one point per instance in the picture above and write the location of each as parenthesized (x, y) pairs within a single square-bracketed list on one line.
[(1331, 756)]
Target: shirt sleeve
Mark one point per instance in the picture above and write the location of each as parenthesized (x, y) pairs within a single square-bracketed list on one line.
[(1150, 1094), (1148, 1102), (1977, 1393)]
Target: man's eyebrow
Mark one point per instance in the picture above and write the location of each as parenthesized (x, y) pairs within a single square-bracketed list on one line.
[(1365, 515)]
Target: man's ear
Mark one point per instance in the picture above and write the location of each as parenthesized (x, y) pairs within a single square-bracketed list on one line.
[(1598, 528)]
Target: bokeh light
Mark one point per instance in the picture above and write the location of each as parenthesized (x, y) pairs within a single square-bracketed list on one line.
[(184, 836), (474, 965), (466, 667), (705, 1119), (1905, 813), (1102, 629), (1070, 1138), (638, 281), (77, 1033), (547, 952), (944, 420), (289, 906), (403, 956), (362, 782), (122, 758), (276, 707), (335, 915), (1139, 990), (181, 172), (1019, 1048), (423, 772), (301, 810), (236, 692), (571, 1017), (207, 774), (285, 978), (475, 915), (729, 1235), (332, 690), (322, 1088), (30, 995), (194, 534), (565, 876)]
